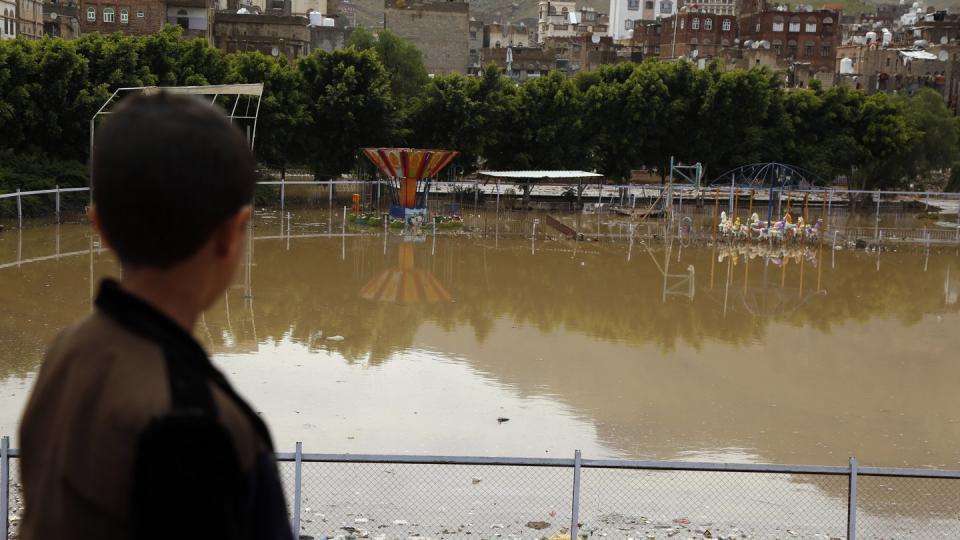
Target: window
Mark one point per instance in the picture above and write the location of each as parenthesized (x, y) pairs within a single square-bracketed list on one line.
[(794, 24), (808, 49), (183, 19), (633, 5), (648, 4), (888, 61), (778, 47), (628, 24), (725, 42), (139, 14), (695, 23), (811, 25), (828, 25), (726, 25), (792, 48), (656, 49), (706, 41), (124, 15), (496, 45), (108, 15), (694, 41), (778, 24), (825, 51), (666, 7), (708, 24), (682, 21), (473, 33), (91, 14)]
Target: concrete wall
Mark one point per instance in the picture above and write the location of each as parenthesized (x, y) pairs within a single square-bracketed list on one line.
[(441, 31)]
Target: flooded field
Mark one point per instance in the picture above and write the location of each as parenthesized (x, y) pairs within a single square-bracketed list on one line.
[(644, 350)]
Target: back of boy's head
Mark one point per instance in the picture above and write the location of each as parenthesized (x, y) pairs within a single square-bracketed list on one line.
[(168, 170)]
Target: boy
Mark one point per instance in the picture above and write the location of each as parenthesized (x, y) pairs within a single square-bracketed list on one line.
[(130, 431)]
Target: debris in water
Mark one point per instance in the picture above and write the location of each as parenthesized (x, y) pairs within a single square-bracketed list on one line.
[(476, 480), (502, 419), (538, 525), (335, 338), (400, 522)]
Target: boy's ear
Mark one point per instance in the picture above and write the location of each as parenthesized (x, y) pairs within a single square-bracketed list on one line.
[(228, 237)]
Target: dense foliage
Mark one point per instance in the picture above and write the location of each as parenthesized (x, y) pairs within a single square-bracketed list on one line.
[(319, 110)]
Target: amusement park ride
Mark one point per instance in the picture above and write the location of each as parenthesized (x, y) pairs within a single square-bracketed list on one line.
[(409, 170)]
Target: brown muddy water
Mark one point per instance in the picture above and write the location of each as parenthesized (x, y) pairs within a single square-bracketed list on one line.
[(641, 350)]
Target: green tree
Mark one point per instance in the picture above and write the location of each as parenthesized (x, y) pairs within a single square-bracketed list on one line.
[(283, 109), (347, 95), (402, 60)]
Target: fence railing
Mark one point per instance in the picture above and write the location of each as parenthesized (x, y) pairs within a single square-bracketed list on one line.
[(479, 497)]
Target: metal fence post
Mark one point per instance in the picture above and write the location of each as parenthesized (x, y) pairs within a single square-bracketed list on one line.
[(852, 501), (19, 211), (575, 509), (297, 466), (58, 203), (5, 484)]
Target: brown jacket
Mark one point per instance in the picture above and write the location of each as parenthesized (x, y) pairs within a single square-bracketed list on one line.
[(112, 449)]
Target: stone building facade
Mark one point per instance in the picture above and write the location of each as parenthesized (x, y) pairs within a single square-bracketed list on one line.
[(497, 35), (896, 70), (61, 19), (696, 35), (136, 17), (8, 18), (29, 18), (274, 35), (195, 17), (440, 30), (527, 62), (799, 38), (581, 53), (475, 44)]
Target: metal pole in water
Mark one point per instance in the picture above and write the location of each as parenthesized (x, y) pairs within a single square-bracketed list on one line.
[(58, 202), (19, 211), (833, 255), (343, 225), (575, 507), (876, 226), (297, 476), (5, 484), (852, 501), (283, 181)]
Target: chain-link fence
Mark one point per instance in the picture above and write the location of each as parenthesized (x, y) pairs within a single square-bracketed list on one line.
[(389, 497)]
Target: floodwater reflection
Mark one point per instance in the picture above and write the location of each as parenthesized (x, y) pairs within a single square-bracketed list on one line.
[(628, 349)]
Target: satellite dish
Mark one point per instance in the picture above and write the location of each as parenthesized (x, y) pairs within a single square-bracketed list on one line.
[(53, 15), (694, 53), (765, 44), (943, 56), (944, 40), (595, 38), (275, 52), (755, 45), (748, 43)]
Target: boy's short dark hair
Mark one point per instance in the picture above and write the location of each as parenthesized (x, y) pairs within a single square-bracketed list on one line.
[(167, 170)]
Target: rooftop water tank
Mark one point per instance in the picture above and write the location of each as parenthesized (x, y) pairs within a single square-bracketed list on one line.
[(871, 36), (887, 38), (316, 18), (846, 66), (328, 22)]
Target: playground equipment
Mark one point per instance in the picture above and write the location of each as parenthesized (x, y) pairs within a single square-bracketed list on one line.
[(409, 169)]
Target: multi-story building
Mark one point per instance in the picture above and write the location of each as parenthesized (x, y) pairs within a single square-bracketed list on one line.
[(475, 42), (625, 13), (137, 17), (582, 53), (901, 70), (497, 35), (61, 19), (272, 33), (195, 17), (696, 35), (522, 63), (29, 21), (8, 12), (646, 37), (440, 30), (799, 38), (564, 19)]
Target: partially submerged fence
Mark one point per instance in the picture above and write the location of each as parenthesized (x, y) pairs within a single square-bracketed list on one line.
[(391, 496)]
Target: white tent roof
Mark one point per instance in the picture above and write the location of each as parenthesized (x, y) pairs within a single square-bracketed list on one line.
[(540, 174), (919, 55)]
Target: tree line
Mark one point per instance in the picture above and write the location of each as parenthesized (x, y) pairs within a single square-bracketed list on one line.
[(317, 111)]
